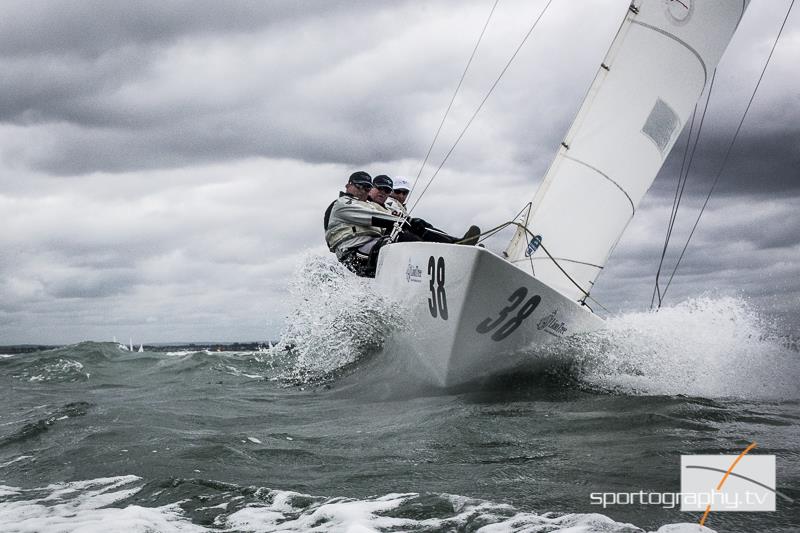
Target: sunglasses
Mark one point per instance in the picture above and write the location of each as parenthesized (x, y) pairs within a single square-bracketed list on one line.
[(387, 190), (362, 186)]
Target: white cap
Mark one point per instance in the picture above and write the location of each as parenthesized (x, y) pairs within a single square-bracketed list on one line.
[(401, 183)]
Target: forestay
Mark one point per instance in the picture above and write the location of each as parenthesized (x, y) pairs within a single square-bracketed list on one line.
[(643, 94)]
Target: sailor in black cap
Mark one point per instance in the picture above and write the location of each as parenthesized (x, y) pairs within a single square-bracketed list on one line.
[(382, 187)]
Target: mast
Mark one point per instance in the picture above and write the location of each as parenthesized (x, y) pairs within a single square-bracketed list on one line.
[(645, 89)]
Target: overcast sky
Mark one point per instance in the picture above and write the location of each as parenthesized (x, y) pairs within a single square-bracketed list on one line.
[(164, 166)]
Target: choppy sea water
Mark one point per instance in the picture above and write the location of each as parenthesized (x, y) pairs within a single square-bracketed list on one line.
[(324, 432)]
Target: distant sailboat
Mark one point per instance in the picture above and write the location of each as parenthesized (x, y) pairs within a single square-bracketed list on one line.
[(141, 348)]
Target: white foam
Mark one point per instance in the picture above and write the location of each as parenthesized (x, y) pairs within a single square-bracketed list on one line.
[(702, 347), (80, 507), (179, 353), (337, 318), (83, 506), (11, 462), (5, 490), (338, 514), (684, 528), (233, 371), (58, 370)]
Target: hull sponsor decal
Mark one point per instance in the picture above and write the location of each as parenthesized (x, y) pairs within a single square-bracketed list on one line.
[(551, 324), (413, 273)]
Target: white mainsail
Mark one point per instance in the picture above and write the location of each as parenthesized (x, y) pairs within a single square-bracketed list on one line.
[(644, 92)]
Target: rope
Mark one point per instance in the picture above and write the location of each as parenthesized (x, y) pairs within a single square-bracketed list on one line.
[(453, 99), (491, 232), (730, 147), (480, 106), (555, 262)]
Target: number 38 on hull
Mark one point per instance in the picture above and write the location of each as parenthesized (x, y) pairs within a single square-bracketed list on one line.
[(471, 314)]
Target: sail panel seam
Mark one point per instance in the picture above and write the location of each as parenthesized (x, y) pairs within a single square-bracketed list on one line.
[(587, 165), (679, 41)]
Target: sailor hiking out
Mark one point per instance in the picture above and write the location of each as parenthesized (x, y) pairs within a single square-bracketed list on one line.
[(396, 203), (358, 224)]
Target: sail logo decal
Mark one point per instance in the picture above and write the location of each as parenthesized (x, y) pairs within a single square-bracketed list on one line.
[(551, 324), (413, 273), (679, 11), (661, 125), (533, 245)]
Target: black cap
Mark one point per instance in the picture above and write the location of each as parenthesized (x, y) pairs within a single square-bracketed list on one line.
[(382, 181), (360, 178)]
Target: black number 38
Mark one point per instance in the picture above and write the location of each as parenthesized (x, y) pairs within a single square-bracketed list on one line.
[(508, 327)]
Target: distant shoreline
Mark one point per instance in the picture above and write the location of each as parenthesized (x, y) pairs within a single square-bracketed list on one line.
[(14, 349)]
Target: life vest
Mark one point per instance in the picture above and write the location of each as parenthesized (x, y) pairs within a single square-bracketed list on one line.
[(349, 223)]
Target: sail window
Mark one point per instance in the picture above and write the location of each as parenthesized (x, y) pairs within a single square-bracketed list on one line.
[(661, 125)]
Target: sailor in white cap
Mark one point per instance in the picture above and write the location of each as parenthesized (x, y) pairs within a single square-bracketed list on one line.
[(396, 203)]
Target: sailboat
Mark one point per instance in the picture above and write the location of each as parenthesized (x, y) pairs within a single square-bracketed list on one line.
[(474, 313)]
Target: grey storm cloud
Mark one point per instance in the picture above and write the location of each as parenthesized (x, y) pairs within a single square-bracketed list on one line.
[(84, 75), (91, 27), (326, 86)]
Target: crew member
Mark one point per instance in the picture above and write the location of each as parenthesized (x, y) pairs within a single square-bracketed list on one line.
[(382, 187), (357, 224), (355, 227), (396, 203)]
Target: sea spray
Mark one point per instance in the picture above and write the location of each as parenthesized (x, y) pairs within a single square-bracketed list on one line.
[(336, 320), (710, 347)]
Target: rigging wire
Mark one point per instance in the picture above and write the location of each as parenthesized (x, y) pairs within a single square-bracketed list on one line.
[(497, 229), (730, 147), (480, 106), (682, 180), (453, 99), (671, 222), (556, 263)]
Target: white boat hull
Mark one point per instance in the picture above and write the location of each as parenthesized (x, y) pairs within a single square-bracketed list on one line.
[(473, 315)]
